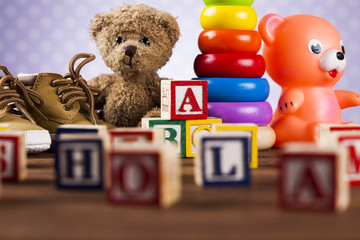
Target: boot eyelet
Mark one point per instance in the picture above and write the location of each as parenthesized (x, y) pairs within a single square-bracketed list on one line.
[(67, 108), (52, 83)]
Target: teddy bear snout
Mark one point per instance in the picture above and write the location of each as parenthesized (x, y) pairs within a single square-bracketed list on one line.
[(333, 60), (130, 50)]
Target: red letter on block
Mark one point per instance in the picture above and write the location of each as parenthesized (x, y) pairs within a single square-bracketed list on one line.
[(192, 101), (134, 178)]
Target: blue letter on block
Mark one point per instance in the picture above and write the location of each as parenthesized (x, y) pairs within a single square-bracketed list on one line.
[(79, 164), (217, 163), (225, 160)]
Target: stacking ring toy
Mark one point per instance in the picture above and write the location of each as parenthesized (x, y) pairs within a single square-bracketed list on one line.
[(229, 65), (259, 113), (237, 89), (229, 41), (266, 137), (228, 17), (228, 2)]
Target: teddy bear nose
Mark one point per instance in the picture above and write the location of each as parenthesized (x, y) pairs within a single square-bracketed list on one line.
[(130, 50), (340, 56)]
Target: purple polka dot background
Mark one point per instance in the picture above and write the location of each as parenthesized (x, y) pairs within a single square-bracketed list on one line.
[(43, 35)]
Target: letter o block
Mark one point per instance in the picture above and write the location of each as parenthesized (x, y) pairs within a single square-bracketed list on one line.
[(149, 176), (182, 100)]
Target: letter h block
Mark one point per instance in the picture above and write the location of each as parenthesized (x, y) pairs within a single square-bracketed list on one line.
[(313, 179), (147, 176), (182, 100), (223, 159), (13, 156), (79, 164)]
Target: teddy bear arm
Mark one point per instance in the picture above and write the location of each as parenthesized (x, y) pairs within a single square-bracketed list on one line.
[(347, 98), (290, 101)]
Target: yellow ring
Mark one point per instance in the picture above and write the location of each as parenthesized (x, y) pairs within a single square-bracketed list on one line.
[(228, 17)]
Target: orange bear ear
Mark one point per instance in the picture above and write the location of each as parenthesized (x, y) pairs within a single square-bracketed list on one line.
[(267, 27)]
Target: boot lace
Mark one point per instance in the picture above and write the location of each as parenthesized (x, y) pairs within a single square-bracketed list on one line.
[(16, 98), (73, 88)]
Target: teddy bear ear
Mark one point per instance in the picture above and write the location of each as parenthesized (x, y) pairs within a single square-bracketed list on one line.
[(267, 27), (100, 21), (171, 27)]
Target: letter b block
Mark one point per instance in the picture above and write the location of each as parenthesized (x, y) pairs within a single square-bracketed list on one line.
[(181, 100), (223, 159), (13, 156), (148, 176)]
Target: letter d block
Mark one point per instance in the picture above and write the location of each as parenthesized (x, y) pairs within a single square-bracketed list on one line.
[(13, 156), (80, 164), (182, 100), (313, 179), (223, 159), (148, 176)]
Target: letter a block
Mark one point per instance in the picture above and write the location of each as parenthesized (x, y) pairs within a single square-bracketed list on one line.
[(181, 100), (148, 176), (313, 179), (175, 132), (223, 159), (13, 156), (80, 164)]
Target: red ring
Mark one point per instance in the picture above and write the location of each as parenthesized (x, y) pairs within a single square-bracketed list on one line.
[(229, 65), (229, 41)]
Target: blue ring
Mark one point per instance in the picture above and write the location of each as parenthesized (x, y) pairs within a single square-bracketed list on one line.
[(237, 89)]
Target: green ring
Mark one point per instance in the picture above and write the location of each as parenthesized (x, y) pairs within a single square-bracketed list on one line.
[(228, 2)]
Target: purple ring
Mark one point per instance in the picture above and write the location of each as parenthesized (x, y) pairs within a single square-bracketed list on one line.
[(259, 113)]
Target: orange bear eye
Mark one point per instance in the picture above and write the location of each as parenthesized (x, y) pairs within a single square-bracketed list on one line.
[(315, 46), (342, 46)]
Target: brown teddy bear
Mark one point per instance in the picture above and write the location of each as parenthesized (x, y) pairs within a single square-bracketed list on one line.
[(134, 41)]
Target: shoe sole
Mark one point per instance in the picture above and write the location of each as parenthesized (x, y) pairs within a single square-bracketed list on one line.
[(37, 141)]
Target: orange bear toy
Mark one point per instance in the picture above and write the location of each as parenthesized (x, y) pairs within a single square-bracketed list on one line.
[(306, 57)]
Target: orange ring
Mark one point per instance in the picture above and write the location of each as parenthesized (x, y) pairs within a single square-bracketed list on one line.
[(229, 41)]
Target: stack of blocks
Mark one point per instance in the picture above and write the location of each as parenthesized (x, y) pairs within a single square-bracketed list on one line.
[(184, 114), (230, 64), (215, 146), (132, 164)]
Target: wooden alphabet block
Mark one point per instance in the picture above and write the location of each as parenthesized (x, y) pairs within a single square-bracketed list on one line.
[(181, 100), (351, 142), (69, 131), (251, 128), (193, 128), (125, 137), (223, 159), (313, 179), (13, 156), (174, 132), (327, 129), (147, 176), (4, 127), (80, 163)]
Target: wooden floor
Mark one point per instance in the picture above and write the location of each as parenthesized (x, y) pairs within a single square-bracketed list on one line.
[(35, 209)]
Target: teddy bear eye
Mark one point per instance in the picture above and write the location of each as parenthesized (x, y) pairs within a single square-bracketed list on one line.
[(315, 46), (145, 41), (119, 40), (342, 46)]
